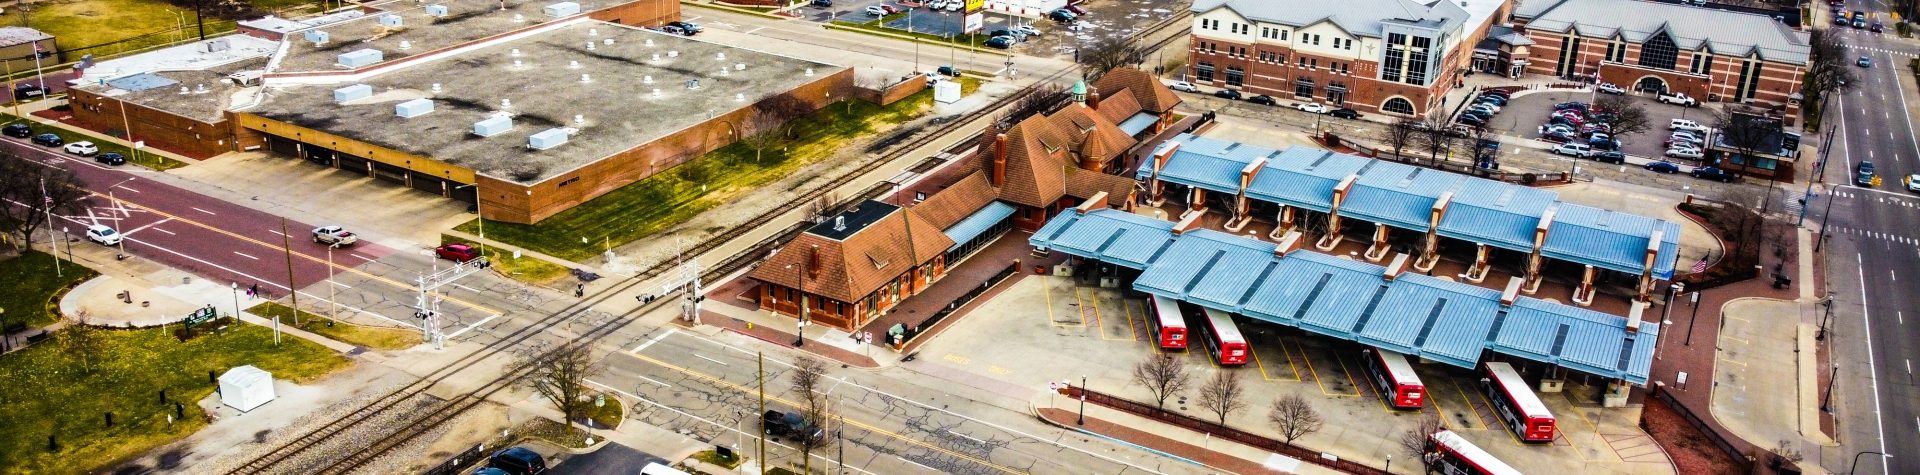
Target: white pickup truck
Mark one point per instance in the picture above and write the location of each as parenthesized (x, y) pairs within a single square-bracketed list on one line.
[(334, 236), (1678, 98)]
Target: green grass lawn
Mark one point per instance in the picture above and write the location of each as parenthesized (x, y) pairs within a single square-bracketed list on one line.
[(49, 391), (145, 159), (973, 40), (83, 23), (672, 196), (29, 290), (379, 338), (528, 269)]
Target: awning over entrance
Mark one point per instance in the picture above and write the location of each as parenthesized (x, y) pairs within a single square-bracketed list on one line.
[(978, 222), (1139, 122)]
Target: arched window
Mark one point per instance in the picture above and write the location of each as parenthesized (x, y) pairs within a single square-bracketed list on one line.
[(1398, 105)]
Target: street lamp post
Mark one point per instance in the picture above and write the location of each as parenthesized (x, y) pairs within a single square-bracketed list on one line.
[(1833, 379), (333, 312), (1083, 401), (1695, 299), (1389, 468), (1856, 459)]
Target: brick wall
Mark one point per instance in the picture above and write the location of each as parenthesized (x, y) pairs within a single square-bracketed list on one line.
[(641, 13), (158, 128), (893, 93)]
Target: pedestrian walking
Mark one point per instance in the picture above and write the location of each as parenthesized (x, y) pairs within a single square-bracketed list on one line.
[(579, 290), (253, 290)]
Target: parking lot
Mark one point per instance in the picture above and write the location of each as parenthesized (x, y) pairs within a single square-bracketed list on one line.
[(1050, 329), (1523, 115), (1105, 18)]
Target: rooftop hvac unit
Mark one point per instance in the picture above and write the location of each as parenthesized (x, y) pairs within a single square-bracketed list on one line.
[(495, 125), (390, 19), (562, 9), (547, 139), (351, 93), (215, 46), (358, 58), (317, 37), (436, 10), (413, 108)]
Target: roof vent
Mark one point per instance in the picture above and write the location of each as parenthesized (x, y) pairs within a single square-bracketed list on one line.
[(723, 70), (515, 53), (390, 20), (549, 138), (593, 32), (656, 92), (586, 78), (607, 41), (506, 103), (184, 90), (840, 223), (413, 108), (648, 79), (809, 72), (200, 89), (317, 37), (436, 10), (720, 56), (737, 97), (516, 64), (739, 66), (436, 88), (493, 126), (579, 119), (649, 42), (518, 18), (561, 9), (656, 58), (406, 45), (589, 46), (362, 57), (215, 46), (693, 84), (574, 64), (673, 53), (345, 94)]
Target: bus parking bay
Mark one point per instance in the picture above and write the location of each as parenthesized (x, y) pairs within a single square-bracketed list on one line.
[(1047, 329)]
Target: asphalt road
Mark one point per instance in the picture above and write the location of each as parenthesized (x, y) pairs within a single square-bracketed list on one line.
[(1871, 249), (613, 459), (709, 389)]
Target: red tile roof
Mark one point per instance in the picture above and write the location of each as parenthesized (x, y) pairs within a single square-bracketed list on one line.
[(957, 201), (1119, 106), (1147, 90), (851, 269)]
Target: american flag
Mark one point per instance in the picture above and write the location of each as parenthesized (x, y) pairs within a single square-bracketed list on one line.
[(1701, 266)]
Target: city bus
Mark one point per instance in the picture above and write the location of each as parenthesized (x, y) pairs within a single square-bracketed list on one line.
[(1395, 379), (1518, 406), (1229, 348), (1450, 454), (1169, 324)]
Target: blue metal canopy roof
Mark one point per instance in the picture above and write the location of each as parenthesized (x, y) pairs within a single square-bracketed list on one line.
[(978, 222), (1432, 318), (1482, 211), (1610, 240), (1138, 122)]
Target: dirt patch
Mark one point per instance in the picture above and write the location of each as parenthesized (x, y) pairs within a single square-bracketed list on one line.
[(1690, 450)]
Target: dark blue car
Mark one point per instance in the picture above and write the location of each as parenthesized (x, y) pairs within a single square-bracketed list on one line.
[(1663, 167)]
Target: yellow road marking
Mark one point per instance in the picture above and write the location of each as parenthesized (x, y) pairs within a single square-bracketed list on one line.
[(957, 358), (1263, 367), (1128, 305), (853, 422), (1596, 433), (1348, 373), (1468, 398), (351, 270), (1317, 380)]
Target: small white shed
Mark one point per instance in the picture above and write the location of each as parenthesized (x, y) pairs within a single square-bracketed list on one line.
[(246, 387)]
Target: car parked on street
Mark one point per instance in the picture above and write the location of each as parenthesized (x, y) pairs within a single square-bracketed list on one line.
[(1264, 100), (1028, 30), (876, 10), (1312, 107), (1679, 99), (1227, 94), (1864, 62), (110, 158), (1663, 166), (1609, 88), (1685, 152), (1573, 149), (1496, 100), (1182, 86), (1687, 125), (1570, 105), (456, 252), (334, 236), (1714, 173), (82, 148), (1610, 156), (999, 42), (1062, 16), (49, 140), (1345, 113), (686, 27), (103, 234), (1485, 106), (518, 461), (18, 130), (790, 424)]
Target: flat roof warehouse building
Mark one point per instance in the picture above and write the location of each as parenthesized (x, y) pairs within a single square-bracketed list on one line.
[(539, 107)]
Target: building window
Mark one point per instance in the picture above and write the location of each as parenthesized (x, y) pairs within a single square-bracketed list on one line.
[(1398, 105), (1209, 24), (1417, 60), (1313, 63), (1564, 68), (1659, 52), (1390, 69), (1213, 47), (1204, 71), (1303, 88), (1240, 28), (1343, 68), (1283, 35), (1235, 76), (1313, 40), (1702, 63)]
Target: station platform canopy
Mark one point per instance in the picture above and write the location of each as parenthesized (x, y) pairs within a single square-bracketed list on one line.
[(1339, 297)]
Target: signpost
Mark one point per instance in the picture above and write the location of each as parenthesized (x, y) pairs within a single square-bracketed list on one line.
[(199, 316)]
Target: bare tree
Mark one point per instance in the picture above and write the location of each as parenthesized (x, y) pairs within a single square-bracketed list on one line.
[(1399, 135), (1628, 117), (817, 210), (1437, 135), (1163, 375), (1222, 394), (82, 340), (766, 132), (1415, 440), (1107, 53), (560, 376), (809, 377), (1828, 70), (1294, 417), (34, 186), (1038, 98)]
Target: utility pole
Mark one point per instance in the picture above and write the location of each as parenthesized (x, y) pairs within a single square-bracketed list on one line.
[(286, 245), (53, 243)]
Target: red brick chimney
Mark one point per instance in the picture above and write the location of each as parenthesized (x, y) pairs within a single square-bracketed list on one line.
[(999, 175), (1093, 100), (813, 263), (1098, 201), (1394, 269), (1190, 221)]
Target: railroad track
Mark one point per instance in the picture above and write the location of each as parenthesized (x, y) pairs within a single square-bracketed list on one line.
[(447, 410)]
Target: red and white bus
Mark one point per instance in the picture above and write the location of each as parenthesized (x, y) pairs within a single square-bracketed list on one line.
[(1451, 454), (1169, 324), (1229, 348), (1517, 405), (1395, 379)]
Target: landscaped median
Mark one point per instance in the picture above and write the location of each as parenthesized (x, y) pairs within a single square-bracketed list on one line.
[(60, 394), (525, 268), (31, 289), (378, 338), (145, 159), (726, 175)]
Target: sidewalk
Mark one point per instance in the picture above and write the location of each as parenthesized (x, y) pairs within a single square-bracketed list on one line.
[(1170, 441)]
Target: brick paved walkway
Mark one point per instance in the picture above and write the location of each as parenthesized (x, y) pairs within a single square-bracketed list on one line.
[(778, 337), (1210, 458)]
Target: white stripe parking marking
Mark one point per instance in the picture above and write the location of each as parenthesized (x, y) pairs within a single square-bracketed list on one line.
[(704, 357), (209, 213), (656, 339), (1880, 425), (246, 256)]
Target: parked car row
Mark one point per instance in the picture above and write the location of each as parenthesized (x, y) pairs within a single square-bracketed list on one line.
[(82, 148), (1483, 108), (1266, 100)]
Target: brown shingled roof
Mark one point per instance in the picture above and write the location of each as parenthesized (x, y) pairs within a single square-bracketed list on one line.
[(1084, 184), (865, 261), (1034, 164), (958, 201), (1147, 90), (1096, 135), (1119, 107)]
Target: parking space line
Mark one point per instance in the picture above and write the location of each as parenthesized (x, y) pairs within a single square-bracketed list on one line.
[(1102, 317), (1129, 306), (1263, 368), (1317, 380), (1596, 433), (1349, 374), (1296, 366)]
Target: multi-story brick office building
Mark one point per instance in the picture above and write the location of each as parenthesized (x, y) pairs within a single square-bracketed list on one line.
[(1397, 57), (1710, 54)]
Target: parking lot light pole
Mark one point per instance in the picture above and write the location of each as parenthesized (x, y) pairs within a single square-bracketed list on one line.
[(1833, 379), (1083, 400), (1856, 459)]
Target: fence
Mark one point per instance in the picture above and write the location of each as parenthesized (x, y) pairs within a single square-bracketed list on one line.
[(1223, 432), (1739, 458), (459, 461)]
